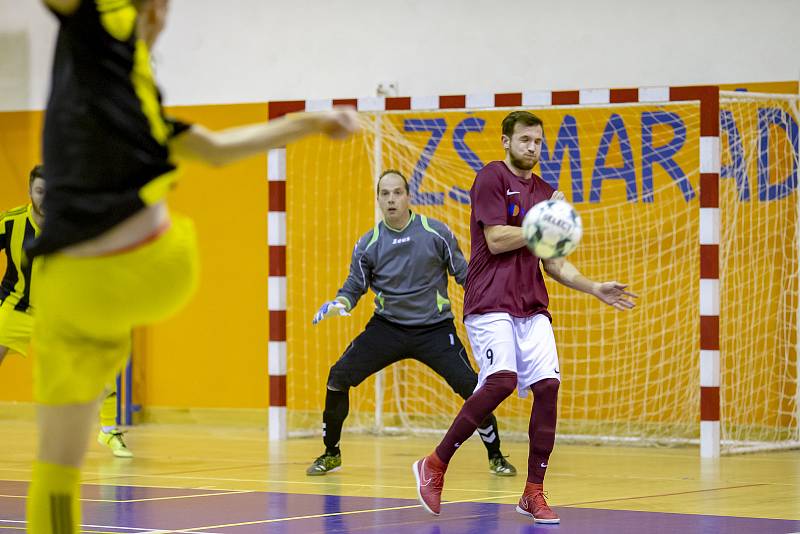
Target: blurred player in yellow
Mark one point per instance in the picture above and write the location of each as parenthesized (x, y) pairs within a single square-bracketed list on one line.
[(112, 256), (18, 226)]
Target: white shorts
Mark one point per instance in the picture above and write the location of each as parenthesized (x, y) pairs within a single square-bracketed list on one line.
[(524, 345)]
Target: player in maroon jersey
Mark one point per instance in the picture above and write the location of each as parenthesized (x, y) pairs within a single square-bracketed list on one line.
[(505, 312)]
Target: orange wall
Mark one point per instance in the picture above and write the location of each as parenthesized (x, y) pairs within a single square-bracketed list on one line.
[(19, 152), (214, 352)]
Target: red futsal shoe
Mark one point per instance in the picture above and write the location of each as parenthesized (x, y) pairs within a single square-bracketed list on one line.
[(532, 504), (429, 472)]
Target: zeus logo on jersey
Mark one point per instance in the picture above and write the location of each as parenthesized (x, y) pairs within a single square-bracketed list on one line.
[(398, 240)]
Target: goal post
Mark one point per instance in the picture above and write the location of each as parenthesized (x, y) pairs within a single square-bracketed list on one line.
[(644, 167)]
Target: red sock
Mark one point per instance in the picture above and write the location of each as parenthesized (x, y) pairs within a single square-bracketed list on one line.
[(542, 428), (497, 387)]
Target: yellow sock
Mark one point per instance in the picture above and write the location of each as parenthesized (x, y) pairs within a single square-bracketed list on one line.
[(108, 411), (54, 500)]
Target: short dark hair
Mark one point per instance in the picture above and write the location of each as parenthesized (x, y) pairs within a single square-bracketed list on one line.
[(36, 172), (391, 171), (525, 117)]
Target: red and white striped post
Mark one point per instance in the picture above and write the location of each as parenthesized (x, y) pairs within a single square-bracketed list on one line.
[(276, 296), (276, 292), (276, 288), (709, 233), (709, 275)]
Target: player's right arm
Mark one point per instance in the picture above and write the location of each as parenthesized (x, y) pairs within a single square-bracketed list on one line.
[(488, 198), (226, 146), (360, 275), (489, 210), (354, 286), (503, 238)]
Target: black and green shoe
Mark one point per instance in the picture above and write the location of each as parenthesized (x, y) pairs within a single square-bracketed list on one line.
[(501, 467), (327, 463)]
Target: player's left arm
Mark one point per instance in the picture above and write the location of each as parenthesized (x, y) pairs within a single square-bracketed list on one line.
[(612, 293), (226, 146), (453, 257)]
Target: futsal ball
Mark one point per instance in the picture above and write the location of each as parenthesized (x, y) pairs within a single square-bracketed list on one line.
[(552, 229)]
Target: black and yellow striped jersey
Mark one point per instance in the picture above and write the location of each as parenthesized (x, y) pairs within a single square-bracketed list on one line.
[(105, 140), (16, 228)]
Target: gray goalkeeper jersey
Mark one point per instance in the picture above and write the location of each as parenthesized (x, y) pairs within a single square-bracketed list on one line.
[(407, 270)]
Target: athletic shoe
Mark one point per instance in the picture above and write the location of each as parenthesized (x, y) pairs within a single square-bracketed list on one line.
[(532, 504), (501, 467), (429, 472), (113, 440), (327, 463)]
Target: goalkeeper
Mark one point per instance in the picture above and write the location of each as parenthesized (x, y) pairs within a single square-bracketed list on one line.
[(405, 260)]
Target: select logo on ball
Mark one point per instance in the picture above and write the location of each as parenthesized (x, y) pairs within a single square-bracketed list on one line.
[(552, 229)]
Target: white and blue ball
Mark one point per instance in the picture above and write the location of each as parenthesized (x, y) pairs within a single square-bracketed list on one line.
[(552, 229)]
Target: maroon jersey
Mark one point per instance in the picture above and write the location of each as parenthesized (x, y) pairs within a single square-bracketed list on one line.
[(510, 282)]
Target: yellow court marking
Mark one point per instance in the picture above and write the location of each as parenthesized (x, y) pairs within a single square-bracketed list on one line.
[(333, 514), (657, 495), (233, 492), (306, 483)]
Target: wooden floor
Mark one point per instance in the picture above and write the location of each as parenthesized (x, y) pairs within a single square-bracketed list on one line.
[(233, 460)]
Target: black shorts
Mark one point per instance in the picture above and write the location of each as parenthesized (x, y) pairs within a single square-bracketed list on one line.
[(383, 343)]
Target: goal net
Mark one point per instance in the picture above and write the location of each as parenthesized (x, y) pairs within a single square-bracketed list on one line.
[(758, 271), (632, 172)]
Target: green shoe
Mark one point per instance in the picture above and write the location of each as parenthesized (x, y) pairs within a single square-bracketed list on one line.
[(113, 440), (327, 463), (499, 466)]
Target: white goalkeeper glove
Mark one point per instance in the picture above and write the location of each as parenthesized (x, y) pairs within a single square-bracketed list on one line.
[(332, 307)]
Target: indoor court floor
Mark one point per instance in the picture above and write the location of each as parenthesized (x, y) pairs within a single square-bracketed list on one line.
[(193, 478)]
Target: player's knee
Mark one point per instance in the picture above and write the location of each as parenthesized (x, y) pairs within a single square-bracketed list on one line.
[(337, 405), (338, 379), (502, 383), (546, 390)]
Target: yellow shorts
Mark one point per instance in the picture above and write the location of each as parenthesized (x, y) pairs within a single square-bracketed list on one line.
[(87, 307), (15, 329)]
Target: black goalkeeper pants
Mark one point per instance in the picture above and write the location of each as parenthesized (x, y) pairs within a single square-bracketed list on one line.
[(383, 343)]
